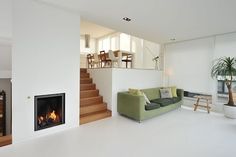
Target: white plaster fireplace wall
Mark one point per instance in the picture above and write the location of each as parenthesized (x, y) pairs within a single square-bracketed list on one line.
[(45, 60)]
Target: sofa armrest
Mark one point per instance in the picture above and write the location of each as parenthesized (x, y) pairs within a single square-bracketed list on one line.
[(180, 93), (130, 105)]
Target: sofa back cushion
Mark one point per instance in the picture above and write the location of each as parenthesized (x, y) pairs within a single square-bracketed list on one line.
[(166, 93), (152, 93)]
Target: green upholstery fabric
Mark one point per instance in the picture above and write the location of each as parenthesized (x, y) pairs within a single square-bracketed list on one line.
[(152, 106), (176, 99), (166, 101), (134, 106), (174, 91), (152, 93), (163, 101)]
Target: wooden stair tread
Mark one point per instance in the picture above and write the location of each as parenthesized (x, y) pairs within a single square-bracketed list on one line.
[(89, 93), (83, 70), (86, 80), (90, 86), (95, 116), (84, 110), (84, 75), (92, 107), (91, 100), (5, 140)]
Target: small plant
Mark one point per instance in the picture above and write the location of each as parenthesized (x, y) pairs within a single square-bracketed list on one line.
[(226, 68)]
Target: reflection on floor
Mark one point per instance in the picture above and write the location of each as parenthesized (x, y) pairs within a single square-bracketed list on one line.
[(175, 134)]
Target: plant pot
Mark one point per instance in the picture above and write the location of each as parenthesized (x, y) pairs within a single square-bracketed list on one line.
[(230, 111)]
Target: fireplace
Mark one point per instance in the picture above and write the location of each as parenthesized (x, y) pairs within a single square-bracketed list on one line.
[(49, 110)]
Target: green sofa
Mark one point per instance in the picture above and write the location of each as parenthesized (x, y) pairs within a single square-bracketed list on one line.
[(135, 106)]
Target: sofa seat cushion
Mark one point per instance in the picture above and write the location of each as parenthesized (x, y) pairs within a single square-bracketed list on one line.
[(166, 101), (152, 106), (176, 99)]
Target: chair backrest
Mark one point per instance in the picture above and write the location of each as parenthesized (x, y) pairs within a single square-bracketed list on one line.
[(95, 56), (103, 56), (111, 55), (89, 60)]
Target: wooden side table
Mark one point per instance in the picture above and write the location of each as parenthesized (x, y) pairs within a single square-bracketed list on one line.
[(206, 105)]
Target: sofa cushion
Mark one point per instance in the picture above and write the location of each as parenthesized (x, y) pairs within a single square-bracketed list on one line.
[(176, 99), (163, 101), (135, 92), (152, 106), (174, 91), (146, 99), (166, 101), (166, 93), (152, 93)]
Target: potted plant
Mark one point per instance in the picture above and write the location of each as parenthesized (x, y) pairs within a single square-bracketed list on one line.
[(226, 68)]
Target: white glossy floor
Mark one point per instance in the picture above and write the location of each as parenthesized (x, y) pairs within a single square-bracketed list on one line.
[(180, 133)]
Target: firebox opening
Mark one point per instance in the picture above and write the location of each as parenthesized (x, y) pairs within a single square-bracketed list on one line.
[(49, 110)]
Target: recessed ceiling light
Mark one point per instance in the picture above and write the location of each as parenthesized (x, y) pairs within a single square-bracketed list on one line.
[(172, 39), (127, 19)]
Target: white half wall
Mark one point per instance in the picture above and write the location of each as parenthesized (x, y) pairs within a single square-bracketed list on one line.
[(110, 81), (45, 60)]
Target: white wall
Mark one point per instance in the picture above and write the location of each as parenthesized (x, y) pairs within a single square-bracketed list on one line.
[(5, 19), (110, 81), (225, 45), (5, 60), (45, 60), (187, 65)]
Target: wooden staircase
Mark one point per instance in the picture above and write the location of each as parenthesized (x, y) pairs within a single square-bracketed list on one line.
[(92, 107)]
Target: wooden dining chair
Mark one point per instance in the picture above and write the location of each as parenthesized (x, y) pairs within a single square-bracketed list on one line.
[(89, 61), (104, 60), (113, 58), (96, 61), (127, 60)]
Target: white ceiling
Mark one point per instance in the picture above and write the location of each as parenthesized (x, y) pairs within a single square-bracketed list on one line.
[(159, 20), (94, 30), (5, 57)]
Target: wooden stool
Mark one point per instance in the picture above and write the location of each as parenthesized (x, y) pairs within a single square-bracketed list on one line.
[(206, 105)]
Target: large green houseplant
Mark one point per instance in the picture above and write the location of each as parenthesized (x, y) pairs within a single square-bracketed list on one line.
[(226, 68)]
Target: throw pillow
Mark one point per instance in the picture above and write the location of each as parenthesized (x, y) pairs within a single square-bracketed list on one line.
[(174, 91), (135, 92), (166, 93), (146, 99)]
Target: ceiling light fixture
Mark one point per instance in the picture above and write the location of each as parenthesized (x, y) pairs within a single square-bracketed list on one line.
[(127, 19)]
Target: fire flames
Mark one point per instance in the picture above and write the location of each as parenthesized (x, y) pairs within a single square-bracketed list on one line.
[(51, 117)]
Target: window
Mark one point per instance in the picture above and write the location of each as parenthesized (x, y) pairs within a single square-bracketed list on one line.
[(115, 43), (104, 44), (100, 45), (125, 42)]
